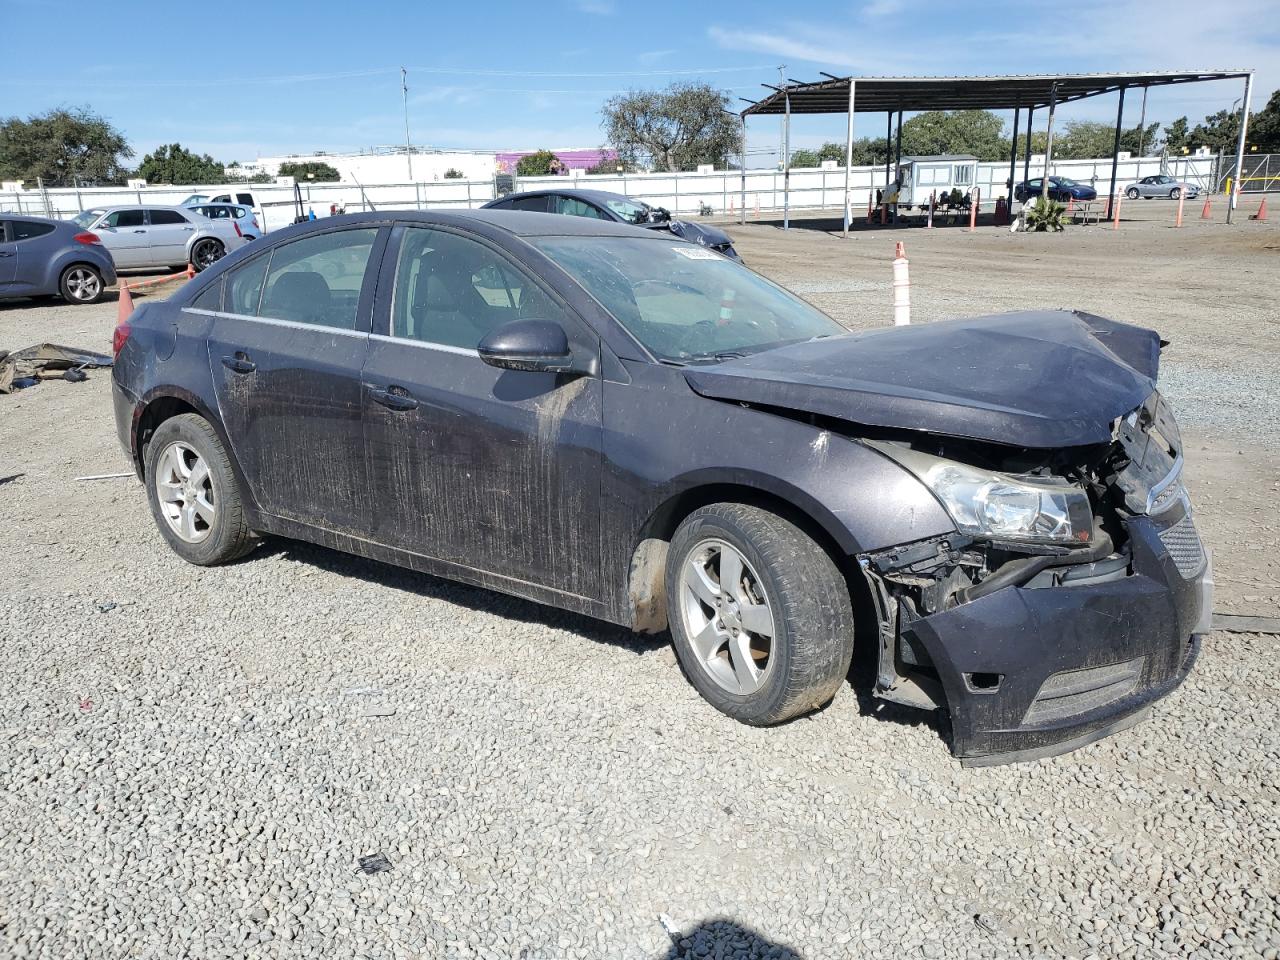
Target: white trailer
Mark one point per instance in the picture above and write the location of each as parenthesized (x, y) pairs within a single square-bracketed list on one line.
[(922, 176)]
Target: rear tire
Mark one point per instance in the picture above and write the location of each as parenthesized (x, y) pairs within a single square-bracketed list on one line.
[(81, 284), (205, 253), (193, 493), (780, 573)]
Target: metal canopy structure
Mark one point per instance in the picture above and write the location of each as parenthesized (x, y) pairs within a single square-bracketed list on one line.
[(891, 94), (1029, 92)]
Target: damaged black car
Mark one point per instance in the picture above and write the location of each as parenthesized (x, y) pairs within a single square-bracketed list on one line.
[(623, 424)]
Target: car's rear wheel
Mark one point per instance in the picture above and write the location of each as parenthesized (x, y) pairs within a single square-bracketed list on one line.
[(81, 284), (760, 615), (206, 253), (193, 492), (1132, 193), (1175, 193)]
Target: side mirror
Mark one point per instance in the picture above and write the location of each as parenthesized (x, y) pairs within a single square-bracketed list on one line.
[(536, 345)]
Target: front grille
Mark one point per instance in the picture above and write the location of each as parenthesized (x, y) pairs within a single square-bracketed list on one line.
[(1074, 692), (1184, 546)]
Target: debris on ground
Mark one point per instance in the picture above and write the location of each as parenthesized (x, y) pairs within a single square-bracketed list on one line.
[(375, 863), (1239, 623), (106, 476), (47, 361)]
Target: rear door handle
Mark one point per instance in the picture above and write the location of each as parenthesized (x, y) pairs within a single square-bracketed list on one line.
[(6, 253), (239, 364), (139, 231), (393, 398)]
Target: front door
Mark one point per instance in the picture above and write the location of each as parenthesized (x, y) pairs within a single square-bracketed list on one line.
[(124, 233), (286, 351), (492, 470), (8, 256)]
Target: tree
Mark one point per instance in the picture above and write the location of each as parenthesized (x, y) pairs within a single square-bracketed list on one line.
[(174, 163), (979, 132), (1087, 139), (677, 128), (61, 146), (1264, 127), (1219, 131), (538, 164), (314, 170), (1176, 137), (453, 173)]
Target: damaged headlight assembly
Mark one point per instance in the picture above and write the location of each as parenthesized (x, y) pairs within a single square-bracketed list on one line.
[(999, 506)]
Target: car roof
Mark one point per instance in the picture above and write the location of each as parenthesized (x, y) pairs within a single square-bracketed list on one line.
[(31, 218), (599, 196), (137, 206), (520, 223)]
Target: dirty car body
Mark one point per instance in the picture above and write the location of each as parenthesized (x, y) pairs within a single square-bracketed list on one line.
[(1001, 496)]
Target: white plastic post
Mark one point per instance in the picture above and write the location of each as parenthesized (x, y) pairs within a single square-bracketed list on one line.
[(901, 288)]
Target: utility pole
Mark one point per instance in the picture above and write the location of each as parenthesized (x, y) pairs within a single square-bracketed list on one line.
[(782, 129), (404, 91)]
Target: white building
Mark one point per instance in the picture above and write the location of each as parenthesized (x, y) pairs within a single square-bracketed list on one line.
[(387, 164)]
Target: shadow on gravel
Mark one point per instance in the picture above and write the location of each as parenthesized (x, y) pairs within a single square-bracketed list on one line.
[(474, 598), (719, 937)]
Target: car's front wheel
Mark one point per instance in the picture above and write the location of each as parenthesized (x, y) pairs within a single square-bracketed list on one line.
[(193, 492), (1132, 193), (206, 253), (1175, 193), (760, 615), (81, 284)]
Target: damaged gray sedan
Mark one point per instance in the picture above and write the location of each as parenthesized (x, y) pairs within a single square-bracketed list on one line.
[(630, 426)]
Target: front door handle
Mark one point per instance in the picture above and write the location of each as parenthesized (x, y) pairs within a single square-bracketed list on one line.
[(239, 364), (393, 398), (6, 253), (139, 231)]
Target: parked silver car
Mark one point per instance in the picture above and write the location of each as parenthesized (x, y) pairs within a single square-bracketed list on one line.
[(1161, 185), (155, 236), (243, 217)]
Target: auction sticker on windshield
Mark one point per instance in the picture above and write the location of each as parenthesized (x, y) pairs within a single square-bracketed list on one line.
[(696, 253)]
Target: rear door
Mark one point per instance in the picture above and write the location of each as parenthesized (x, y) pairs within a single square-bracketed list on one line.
[(491, 470), (168, 236), (125, 234), (286, 351), (8, 256)]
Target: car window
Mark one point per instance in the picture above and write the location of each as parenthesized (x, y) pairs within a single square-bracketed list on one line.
[(577, 208), (86, 218), (238, 212), (126, 218), (318, 279), (164, 218), (210, 298), (245, 198), (536, 204), (27, 230), (215, 212), (453, 291), (225, 198), (244, 286)]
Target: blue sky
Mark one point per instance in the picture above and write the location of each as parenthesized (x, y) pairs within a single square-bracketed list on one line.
[(241, 80)]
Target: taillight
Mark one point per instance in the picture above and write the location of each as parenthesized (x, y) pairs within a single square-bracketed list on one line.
[(87, 238), (254, 221), (118, 337)]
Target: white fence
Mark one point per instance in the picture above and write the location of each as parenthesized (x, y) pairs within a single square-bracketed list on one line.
[(682, 193)]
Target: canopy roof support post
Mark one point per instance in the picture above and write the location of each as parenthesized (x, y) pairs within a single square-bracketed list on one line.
[(786, 166), (1013, 158), (1048, 146), (848, 158), (1244, 130), (1142, 127), (897, 162), (1115, 154), (742, 179), (888, 147), (1026, 157)]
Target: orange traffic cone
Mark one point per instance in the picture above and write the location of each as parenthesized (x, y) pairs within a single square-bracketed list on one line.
[(1207, 212), (191, 270), (125, 306), (1261, 215)]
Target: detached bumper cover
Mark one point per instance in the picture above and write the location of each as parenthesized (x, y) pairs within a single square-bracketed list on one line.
[(1075, 663), (126, 409)]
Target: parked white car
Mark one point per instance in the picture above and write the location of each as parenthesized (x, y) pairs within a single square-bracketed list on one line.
[(155, 236), (243, 218)]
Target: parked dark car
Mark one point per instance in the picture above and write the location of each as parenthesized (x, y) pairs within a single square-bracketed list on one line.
[(48, 258), (575, 412), (1060, 188), (602, 205)]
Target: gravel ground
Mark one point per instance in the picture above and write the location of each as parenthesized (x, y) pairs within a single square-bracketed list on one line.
[(193, 763)]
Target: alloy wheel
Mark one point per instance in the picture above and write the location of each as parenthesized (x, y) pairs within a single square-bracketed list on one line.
[(727, 617), (184, 489), (83, 284), (206, 254)]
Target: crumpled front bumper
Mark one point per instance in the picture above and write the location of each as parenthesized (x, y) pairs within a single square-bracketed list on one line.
[(1074, 662)]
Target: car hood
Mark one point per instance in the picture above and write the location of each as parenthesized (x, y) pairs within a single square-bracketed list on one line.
[(697, 232), (1035, 379)]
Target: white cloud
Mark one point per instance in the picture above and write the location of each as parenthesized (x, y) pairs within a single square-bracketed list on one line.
[(650, 57)]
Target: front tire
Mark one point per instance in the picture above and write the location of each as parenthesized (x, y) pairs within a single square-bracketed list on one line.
[(1175, 193), (193, 493), (760, 615), (1132, 193), (206, 253), (81, 284)]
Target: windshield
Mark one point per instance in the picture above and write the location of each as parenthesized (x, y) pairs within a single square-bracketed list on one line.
[(629, 210), (82, 220), (1063, 181), (684, 302)]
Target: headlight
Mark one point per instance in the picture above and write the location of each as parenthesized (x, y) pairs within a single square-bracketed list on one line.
[(1001, 506)]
